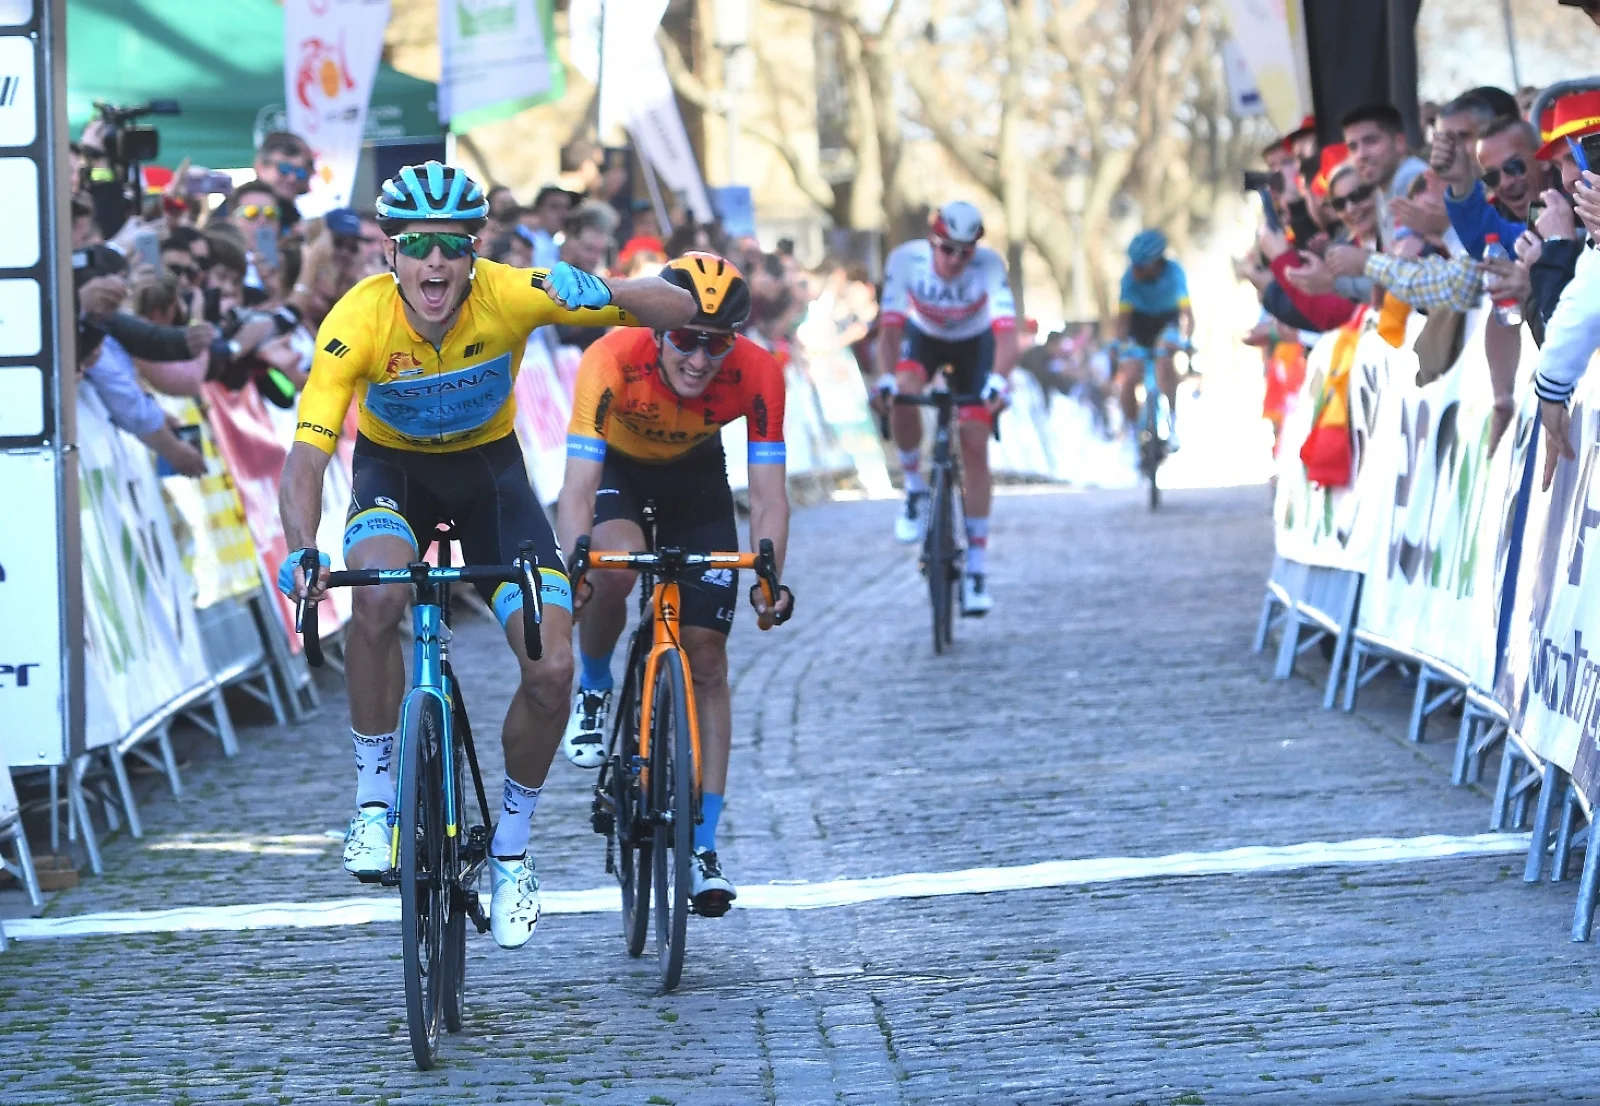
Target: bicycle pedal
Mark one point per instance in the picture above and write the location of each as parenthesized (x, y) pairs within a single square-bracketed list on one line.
[(390, 878), (368, 877), (716, 904), (480, 920)]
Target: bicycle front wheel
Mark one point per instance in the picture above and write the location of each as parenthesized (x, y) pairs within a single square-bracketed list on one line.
[(422, 899), (1153, 447), (453, 982), (672, 802), (632, 837), (940, 557)]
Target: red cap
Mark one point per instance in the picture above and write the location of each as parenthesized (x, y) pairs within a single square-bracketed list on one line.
[(1574, 116)]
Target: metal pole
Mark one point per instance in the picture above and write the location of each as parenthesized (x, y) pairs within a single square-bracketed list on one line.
[(1511, 46), (731, 89), (656, 202)]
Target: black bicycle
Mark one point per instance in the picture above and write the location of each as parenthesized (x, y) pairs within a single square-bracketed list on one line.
[(943, 551), (437, 872), (647, 796)]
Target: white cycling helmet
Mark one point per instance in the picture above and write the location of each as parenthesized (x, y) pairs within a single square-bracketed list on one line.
[(958, 222)]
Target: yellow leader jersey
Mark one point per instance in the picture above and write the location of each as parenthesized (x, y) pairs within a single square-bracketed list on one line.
[(418, 397)]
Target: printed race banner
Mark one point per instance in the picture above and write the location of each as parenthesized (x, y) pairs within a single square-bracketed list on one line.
[(543, 407), (1551, 681), (1439, 541), (496, 58), (331, 50), (141, 641), (255, 447), (208, 521), (1336, 527)]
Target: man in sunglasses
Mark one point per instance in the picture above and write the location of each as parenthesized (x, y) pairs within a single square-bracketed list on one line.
[(646, 427), (429, 351), (947, 301), (284, 164), (1507, 165)]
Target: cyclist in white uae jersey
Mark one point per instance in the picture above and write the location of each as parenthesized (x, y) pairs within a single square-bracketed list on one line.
[(947, 301)]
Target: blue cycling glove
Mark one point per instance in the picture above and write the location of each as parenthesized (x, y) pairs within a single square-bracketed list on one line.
[(292, 562), (576, 288)]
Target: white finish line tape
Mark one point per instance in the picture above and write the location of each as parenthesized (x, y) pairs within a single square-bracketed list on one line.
[(813, 896)]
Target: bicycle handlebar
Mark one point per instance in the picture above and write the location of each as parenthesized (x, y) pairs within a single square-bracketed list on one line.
[(938, 400), (669, 563), (524, 572)]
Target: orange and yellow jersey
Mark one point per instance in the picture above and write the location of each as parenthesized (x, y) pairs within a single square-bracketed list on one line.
[(418, 397), (623, 403)]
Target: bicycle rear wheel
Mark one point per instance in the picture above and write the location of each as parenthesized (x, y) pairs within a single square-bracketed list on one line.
[(632, 838), (940, 558), (672, 802), (422, 898), (1152, 450)]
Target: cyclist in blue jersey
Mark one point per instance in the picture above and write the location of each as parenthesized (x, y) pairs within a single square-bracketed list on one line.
[(1154, 297)]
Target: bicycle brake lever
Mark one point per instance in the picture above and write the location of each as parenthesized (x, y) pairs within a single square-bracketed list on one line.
[(532, 601)]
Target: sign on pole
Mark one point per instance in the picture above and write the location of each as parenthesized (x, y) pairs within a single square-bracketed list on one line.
[(496, 58), (41, 602)]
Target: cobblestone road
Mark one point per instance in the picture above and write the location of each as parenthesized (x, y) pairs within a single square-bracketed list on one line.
[(1109, 707)]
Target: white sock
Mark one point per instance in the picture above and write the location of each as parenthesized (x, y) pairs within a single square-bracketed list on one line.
[(911, 464), (977, 544), (374, 781), (516, 811)]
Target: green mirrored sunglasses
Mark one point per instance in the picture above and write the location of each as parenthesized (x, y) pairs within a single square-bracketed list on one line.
[(419, 244)]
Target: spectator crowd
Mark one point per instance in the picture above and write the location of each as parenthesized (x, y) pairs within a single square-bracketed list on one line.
[(1493, 208), (189, 278)]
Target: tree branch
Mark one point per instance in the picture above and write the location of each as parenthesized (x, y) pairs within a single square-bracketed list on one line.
[(686, 84)]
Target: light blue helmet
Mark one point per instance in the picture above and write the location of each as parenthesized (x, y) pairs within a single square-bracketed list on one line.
[(1147, 246), (434, 192)]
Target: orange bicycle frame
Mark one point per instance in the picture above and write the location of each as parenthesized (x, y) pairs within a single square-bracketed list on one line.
[(665, 605)]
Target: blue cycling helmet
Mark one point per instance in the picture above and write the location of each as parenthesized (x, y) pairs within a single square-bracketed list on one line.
[(431, 192), (1147, 246)]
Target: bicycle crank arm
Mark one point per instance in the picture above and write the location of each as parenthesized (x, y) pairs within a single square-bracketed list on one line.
[(475, 912)]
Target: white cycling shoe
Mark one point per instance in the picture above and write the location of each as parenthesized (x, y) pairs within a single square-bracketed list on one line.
[(908, 523), (366, 843), (514, 908), (584, 743), (975, 599), (711, 891)]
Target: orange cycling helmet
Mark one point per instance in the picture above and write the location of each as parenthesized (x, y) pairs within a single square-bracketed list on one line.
[(717, 286)]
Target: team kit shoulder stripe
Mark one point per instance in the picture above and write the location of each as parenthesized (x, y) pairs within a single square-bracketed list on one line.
[(336, 347), (767, 453), (588, 449)]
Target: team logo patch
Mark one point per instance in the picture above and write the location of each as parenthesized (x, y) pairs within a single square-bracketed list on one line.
[(718, 577), (385, 501), (473, 350), (336, 347), (402, 364)]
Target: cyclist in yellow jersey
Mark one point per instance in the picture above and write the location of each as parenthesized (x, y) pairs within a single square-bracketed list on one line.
[(429, 351)]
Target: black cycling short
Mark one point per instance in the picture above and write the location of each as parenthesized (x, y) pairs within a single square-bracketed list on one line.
[(1146, 329), (694, 512), (971, 360), (482, 491)]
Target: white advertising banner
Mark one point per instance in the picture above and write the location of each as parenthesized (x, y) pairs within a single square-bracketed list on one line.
[(1336, 527), (32, 684), (331, 50), (636, 92), (141, 639), (1552, 681), (492, 54), (1439, 542)]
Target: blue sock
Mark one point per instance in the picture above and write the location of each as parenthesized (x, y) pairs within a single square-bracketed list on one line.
[(705, 834), (596, 672)]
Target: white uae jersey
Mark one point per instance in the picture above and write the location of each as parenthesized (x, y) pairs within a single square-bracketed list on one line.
[(952, 310)]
